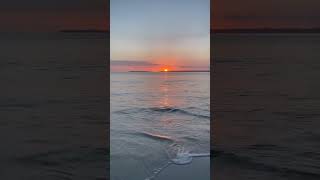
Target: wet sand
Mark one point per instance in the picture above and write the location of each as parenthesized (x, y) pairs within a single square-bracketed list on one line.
[(198, 169)]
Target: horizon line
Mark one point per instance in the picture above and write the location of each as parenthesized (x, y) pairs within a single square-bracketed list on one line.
[(265, 30), (172, 71)]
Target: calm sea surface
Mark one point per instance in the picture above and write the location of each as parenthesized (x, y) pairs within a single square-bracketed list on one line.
[(266, 105), (53, 106), (158, 119)]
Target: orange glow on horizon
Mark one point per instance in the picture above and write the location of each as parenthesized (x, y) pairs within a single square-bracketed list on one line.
[(165, 69)]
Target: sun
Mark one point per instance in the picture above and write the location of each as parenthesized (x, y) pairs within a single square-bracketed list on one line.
[(165, 69)]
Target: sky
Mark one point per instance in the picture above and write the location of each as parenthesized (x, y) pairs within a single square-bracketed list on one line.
[(150, 35), (260, 14), (53, 15)]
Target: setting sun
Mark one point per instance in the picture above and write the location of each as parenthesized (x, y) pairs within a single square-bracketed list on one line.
[(164, 69)]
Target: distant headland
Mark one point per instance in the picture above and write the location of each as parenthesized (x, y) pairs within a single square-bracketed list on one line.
[(187, 71), (173, 71), (139, 71)]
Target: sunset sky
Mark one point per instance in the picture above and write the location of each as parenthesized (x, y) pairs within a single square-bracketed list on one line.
[(53, 15), (152, 35), (260, 14)]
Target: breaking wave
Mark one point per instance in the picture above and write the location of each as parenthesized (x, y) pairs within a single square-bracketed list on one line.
[(176, 152)]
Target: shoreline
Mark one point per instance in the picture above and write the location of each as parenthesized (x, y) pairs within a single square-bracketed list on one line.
[(199, 168)]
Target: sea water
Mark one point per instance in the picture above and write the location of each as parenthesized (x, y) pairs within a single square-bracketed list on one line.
[(157, 120), (53, 105), (266, 104)]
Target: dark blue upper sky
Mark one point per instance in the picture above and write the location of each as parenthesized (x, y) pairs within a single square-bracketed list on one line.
[(265, 13), (53, 15)]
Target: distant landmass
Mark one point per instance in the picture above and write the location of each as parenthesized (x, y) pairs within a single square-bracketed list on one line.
[(140, 71), (188, 71), (172, 71), (84, 31), (266, 30)]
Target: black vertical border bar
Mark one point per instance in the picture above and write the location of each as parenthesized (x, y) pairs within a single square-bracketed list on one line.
[(211, 90), (108, 88), (20, 158)]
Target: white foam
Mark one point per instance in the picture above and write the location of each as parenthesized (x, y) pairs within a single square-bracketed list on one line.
[(182, 157), (186, 158), (200, 155)]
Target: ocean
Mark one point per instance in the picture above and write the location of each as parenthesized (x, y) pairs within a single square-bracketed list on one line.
[(159, 122), (53, 106), (266, 106), (265, 103)]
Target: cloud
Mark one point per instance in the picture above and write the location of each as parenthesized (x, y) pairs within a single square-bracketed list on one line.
[(131, 63)]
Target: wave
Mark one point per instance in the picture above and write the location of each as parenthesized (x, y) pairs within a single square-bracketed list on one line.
[(179, 155), (155, 136), (176, 152), (162, 110), (177, 110), (186, 157), (182, 157)]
